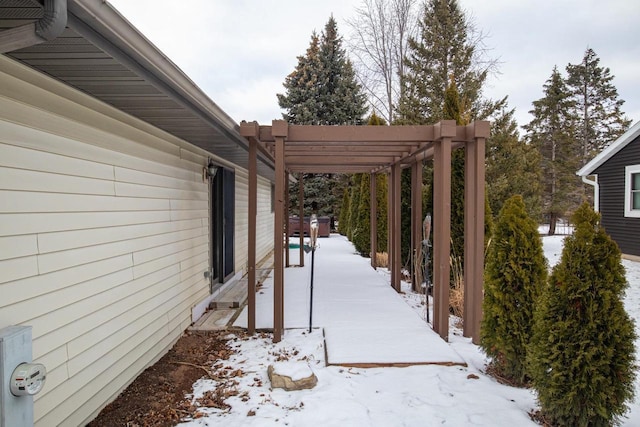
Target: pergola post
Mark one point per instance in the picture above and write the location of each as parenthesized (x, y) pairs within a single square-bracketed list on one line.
[(279, 131), (395, 228), (416, 222), (389, 220), (251, 261), (373, 220), (474, 177), (301, 216), (444, 132), (251, 132), (287, 262)]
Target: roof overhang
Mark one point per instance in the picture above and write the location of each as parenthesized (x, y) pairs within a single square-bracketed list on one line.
[(630, 135), (103, 55)]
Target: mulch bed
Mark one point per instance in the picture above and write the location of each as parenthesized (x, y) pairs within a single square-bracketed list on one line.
[(157, 396)]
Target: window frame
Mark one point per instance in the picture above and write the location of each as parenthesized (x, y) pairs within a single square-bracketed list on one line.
[(629, 211)]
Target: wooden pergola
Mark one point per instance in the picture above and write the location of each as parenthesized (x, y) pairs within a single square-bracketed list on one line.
[(379, 149)]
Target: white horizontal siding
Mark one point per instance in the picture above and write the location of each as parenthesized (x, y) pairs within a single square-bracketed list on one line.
[(32, 201), (241, 220), (104, 235), (103, 239), (265, 223)]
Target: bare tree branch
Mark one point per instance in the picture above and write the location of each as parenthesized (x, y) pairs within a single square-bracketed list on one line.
[(379, 44)]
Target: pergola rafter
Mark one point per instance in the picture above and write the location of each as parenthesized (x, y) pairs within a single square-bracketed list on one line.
[(381, 149)]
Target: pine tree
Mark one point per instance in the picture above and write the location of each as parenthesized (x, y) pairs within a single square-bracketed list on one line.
[(322, 90), (513, 166), (582, 353), (601, 120), (515, 274), (552, 132), (446, 46), (454, 109), (341, 99), (303, 87)]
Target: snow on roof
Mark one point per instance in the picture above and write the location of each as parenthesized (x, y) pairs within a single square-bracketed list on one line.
[(611, 150)]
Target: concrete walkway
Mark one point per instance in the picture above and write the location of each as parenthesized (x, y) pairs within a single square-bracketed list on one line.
[(366, 323)]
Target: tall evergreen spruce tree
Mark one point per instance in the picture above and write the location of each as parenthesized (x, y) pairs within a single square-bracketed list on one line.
[(322, 90), (600, 118), (582, 354), (515, 273), (342, 101), (552, 132), (454, 109), (445, 47), (301, 101), (513, 166)]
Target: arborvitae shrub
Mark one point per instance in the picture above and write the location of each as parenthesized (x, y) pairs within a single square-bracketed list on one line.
[(343, 219), (362, 235), (353, 206), (381, 211), (582, 355), (515, 273)]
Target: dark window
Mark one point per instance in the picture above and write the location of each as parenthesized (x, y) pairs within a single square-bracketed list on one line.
[(273, 198), (635, 191)]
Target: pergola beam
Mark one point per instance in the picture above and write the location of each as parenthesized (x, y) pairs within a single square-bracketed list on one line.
[(338, 160), (331, 169), (356, 134)]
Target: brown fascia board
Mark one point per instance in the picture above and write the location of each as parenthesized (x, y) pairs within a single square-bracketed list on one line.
[(112, 30)]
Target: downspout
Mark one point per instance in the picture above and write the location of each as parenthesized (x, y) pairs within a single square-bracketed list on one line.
[(596, 190), (47, 28)]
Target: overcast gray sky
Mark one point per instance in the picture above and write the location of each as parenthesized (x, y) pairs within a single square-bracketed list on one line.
[(240, 51)]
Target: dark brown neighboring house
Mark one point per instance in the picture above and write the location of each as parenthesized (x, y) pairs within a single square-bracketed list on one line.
[(616, 180)]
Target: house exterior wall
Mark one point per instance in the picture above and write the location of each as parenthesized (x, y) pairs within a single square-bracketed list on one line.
[(104, 238), (264, 223), (611, 180)]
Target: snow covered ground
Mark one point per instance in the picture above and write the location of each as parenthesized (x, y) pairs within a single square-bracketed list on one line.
[(412, 396)]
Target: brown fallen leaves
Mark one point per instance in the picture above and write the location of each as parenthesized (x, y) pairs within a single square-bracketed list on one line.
[(157, 396)]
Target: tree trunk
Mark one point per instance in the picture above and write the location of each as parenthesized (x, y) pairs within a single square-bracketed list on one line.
[(553, 218)]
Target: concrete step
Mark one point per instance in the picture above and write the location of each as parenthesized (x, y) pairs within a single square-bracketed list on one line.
[(232, 297), (214, 320), (226, 305)]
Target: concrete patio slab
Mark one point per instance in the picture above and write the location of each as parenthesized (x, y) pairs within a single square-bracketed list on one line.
[(366, 322)]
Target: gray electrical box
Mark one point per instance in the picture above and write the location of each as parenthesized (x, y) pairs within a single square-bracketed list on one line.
[(15, 349)]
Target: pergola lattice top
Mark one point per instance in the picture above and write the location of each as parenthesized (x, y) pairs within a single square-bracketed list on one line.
[(357, 149)]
